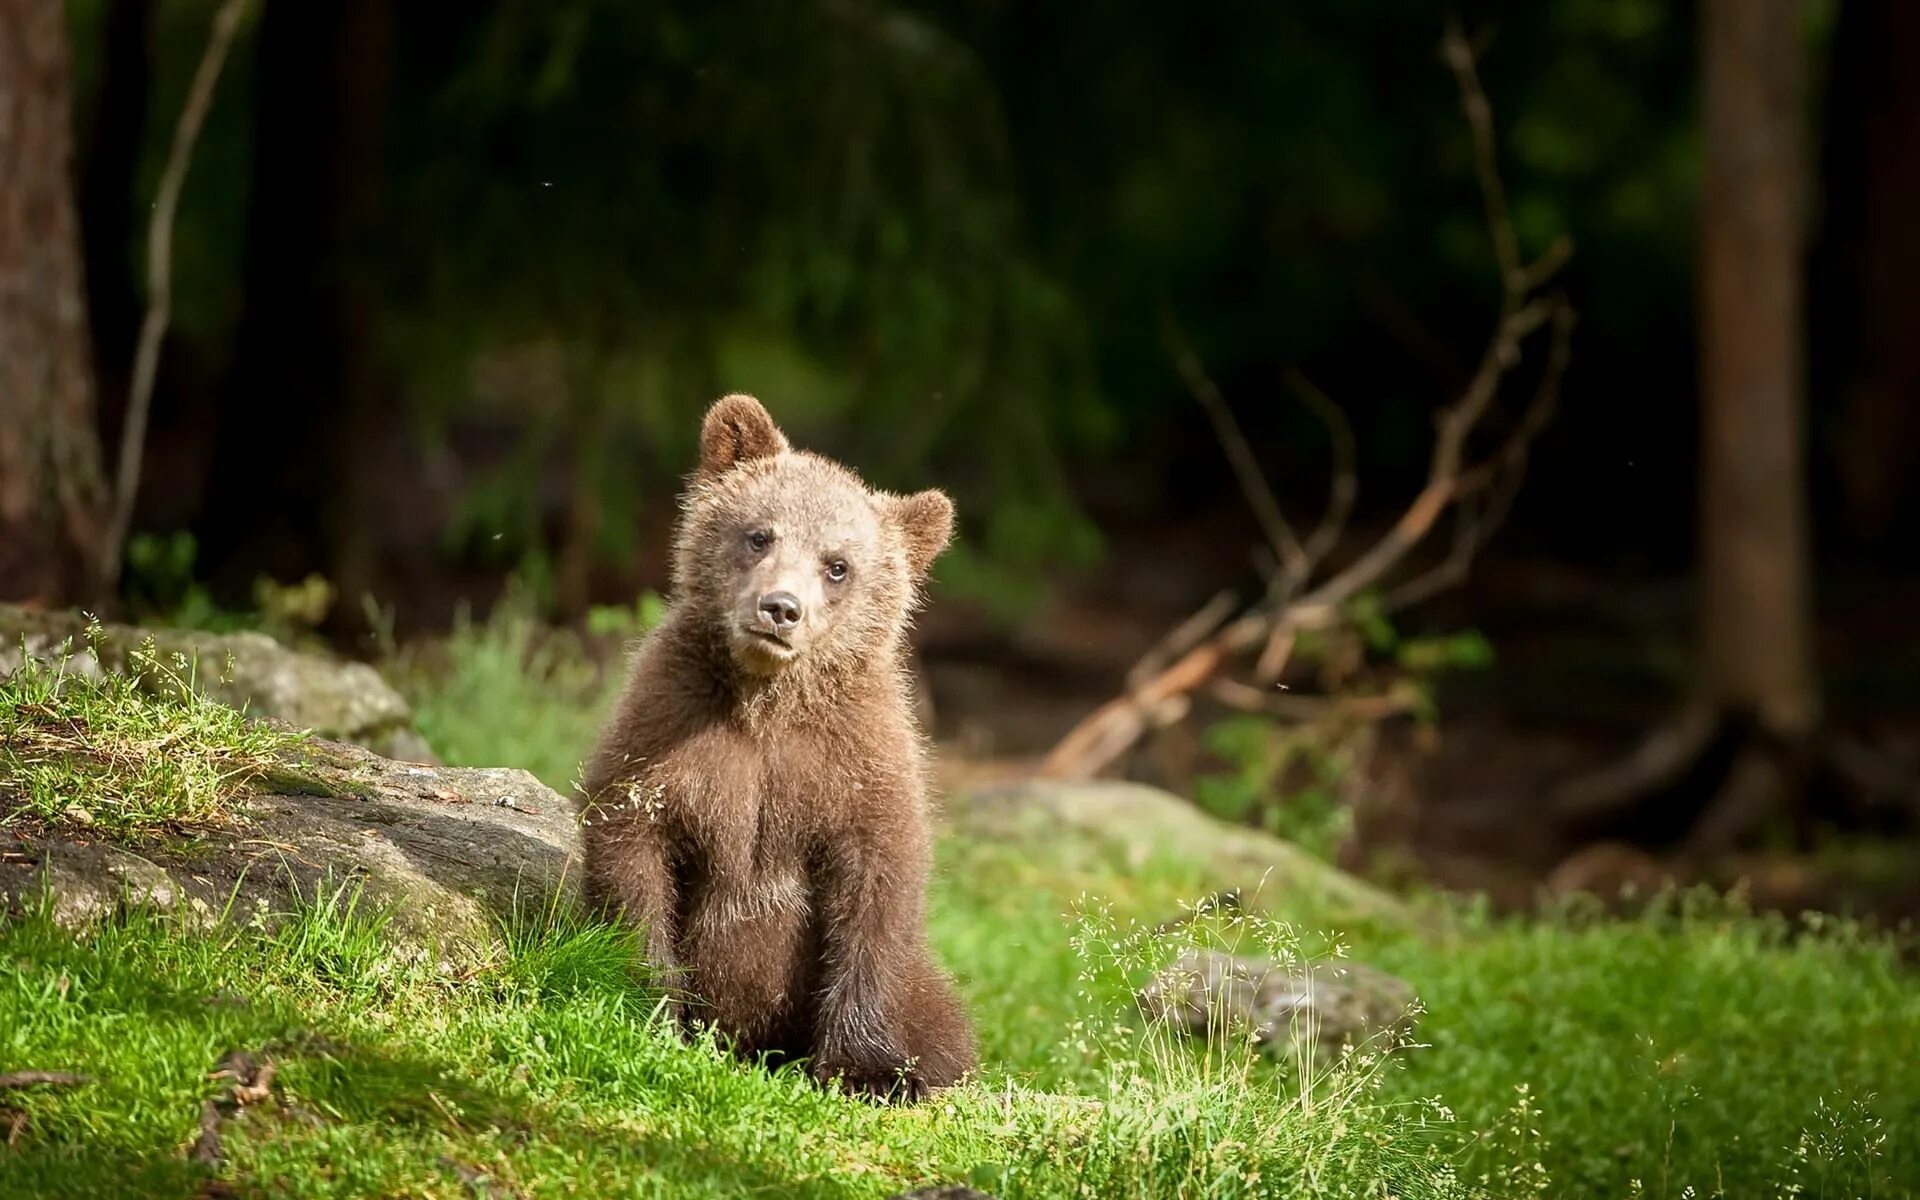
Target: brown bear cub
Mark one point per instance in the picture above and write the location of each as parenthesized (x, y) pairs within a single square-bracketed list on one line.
[(758, 800)]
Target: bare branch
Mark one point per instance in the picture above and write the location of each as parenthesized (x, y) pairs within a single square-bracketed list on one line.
[(1182, 638), (1480, 494), (1345, 488), (1512, 454), (146, 360), (1253, 483), (1461, 58), (26, 1079), (1235, 694), (1275, 654), (1541, 271), (1501, 474)]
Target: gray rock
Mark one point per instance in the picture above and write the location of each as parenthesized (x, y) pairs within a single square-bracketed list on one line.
[(1136, 823), (446, 851), (1286, 1008), (343, 701)]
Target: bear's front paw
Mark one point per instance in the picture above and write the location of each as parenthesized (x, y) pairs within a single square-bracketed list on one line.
[(883, 1077)]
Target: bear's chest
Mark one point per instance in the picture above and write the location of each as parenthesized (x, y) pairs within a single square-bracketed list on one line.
[(737, 803)]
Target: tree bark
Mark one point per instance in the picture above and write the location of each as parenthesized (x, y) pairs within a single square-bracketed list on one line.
[(51, 496), (1755, 605), (1873, 241)]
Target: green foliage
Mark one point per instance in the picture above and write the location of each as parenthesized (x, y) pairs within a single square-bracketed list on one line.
[(612, 621), (159, 569), (1468, 651), (159, 585), (1291, 775), (512, 690), (592, 217), (1699, 1047), (660, 234), (126, 752), (1285, 781)]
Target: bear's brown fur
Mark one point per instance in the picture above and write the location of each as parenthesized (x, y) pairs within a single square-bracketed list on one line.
[(758, 800)]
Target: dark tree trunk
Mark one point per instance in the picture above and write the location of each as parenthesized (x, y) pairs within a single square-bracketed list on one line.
[(1750, 747), (109, 167), (1756, 625), (302, 404), (1755, 618), (51, 500), (1873, 259)]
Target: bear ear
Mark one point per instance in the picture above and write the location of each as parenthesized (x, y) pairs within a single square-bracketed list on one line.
[(737, 430), (926, 525)]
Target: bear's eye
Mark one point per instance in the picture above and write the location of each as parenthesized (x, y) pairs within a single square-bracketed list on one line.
[(837, 570), (759, 540)]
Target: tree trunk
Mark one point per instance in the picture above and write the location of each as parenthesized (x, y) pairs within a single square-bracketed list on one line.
[(51, 497), (1873, 244), (1755, 609)]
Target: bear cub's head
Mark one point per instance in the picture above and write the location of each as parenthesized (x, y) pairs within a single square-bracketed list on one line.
[(794, 557)]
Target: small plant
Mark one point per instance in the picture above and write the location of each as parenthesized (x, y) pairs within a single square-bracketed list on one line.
[(512, 691), (124, 750), (159, 586), (1283, 778), (1287, 767), (291, 610), (612, 620), (552, 949), (158, 575)]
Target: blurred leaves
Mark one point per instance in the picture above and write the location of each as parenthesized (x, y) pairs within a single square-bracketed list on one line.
[(933, 235)]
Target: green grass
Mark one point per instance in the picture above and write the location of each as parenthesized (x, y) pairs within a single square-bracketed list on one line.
[(508, 692), (126, 752), (1698, 1047), (548, 1073), (1698, 1050)]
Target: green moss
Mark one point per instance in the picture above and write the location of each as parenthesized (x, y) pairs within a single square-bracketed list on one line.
[(126, 751)]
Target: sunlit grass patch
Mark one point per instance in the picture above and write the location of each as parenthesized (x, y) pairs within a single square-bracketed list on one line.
[(125, 751), (509, 691), (550, 1072), (1698, 1046), (1223, 1114)]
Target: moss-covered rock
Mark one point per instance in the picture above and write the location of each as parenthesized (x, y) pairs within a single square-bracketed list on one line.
[(448, 852), (343, 701), (1134, 823)]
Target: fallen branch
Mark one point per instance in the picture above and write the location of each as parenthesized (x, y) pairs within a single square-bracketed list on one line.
[(26, 1079), (1478, 492), (1183, 638), (153, 329)]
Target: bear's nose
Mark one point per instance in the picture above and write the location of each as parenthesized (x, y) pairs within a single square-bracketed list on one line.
[(781, 609)]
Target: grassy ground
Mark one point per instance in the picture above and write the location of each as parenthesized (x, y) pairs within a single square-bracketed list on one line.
[(126, 753), (1697, 1051)]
